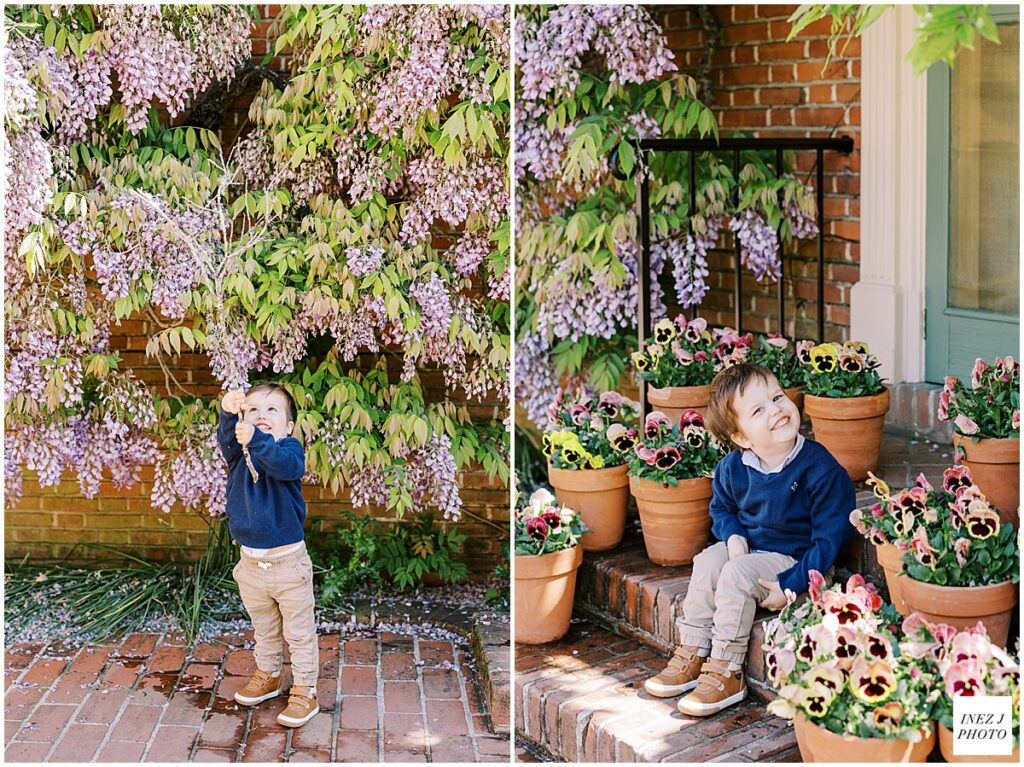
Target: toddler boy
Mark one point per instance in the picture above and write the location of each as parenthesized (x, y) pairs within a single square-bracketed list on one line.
[(266, 512), (780, 507)]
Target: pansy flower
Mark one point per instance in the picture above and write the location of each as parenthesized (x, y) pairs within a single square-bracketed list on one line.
[(700, 356), (779, 664), (966, 678), (579, 414), (850, 363), (956, 477), (878, 487), (664, 331), (872, 681), (980, 366), (914, 500), (856, 347), (695, 329), (878, 647), (815, 582), (609, 403), (826, 675), (553, 520), (923, 551), (654, 423), (968, 646), (922, 482), (1015, 420), (981, 521), (848, 646), (645, 453), (777, 340), (547, 446), (537, 528), (695, 436), (888, 717), (621, 438), (824, 358), (960, 547), (683, 355), (691, 417), (667, 457), (965, 425), (655, 352), (803, 351), (640, 360), (817, 642), (815, 700)]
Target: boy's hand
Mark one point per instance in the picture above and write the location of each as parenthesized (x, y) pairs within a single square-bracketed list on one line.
[(737, 546), (244, 432), (775, 600), (233, 401)]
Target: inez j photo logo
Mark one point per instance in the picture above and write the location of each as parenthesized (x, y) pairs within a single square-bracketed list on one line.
[(983, 725)]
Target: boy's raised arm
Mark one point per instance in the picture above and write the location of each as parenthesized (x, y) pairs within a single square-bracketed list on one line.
[(282, 460), (834, 499), (230, 406)]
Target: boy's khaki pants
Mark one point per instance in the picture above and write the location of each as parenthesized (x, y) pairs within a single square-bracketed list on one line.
[(278, 595), (718, 611)]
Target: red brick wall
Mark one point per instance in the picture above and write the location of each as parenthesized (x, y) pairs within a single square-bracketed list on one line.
[(771, 88), (51, 523)]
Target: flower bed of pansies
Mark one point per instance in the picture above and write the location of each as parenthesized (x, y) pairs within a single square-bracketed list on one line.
[(845, 660), (950, 536)]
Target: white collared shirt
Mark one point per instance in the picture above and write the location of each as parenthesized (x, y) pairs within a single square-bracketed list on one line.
[(749, 457)]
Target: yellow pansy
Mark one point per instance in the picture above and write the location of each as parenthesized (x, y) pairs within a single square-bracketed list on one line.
[(824, 358)]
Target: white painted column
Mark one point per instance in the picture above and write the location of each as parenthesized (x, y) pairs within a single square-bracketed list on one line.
[(887, 304)]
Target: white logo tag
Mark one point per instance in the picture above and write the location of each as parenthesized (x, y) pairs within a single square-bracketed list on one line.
[(982, 725)]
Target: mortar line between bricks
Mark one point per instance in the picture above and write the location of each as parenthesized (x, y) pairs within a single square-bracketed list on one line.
[(246, 732), (174, 689), (336, 714), (124, 704), (380, 699), (464, 695), (423, 695), (71, 721)]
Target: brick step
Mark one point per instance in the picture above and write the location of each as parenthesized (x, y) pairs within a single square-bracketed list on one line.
[(626, 592), (582, 699)]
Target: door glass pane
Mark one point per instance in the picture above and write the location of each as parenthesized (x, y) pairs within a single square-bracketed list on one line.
[(984, 180)]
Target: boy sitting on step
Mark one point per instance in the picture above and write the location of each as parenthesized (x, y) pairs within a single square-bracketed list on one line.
[(266, 512), (780, 507)]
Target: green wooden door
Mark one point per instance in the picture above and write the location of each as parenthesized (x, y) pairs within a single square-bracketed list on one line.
[(973, 214)]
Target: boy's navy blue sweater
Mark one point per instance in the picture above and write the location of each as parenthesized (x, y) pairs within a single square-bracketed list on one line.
[(270, 512), (802, 511)]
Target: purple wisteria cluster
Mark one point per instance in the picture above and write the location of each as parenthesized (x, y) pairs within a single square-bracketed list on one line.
[(433, 66), (454, 194), (759, 245), (194, 476), (427, 474)]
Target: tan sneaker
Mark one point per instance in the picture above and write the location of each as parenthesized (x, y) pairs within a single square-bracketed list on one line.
[(302, 707), (679, 676), (717, 688), (263, 686)]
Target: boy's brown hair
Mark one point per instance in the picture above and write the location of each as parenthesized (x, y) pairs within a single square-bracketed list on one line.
[(269, 386), (720, 417)]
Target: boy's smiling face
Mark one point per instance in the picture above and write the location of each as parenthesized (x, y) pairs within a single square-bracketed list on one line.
[(268, 411), (767, 419)]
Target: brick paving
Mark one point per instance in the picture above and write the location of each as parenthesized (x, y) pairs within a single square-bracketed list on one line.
[(149, 697)]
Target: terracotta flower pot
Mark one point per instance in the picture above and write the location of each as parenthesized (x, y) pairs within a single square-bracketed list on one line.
[(796, 396), (889, 557), (995, 466), (675, 520), (850, 429), (673, 401), (600, 497), (545, 586), (820, 745), (963, 606), (946, 747)]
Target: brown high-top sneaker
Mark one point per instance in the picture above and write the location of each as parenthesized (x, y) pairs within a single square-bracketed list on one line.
[(263, 686), (679, 676), (302, 707), (717, 688)]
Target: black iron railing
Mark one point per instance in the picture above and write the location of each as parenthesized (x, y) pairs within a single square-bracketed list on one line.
[(843, 145)]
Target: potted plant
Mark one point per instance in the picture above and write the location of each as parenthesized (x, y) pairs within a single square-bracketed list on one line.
[(841, 677), (847, 403), (883, 525), (670, 468), (776, 353), (548, 553), (679, 361), (960, 562), (986, 430), (588, 474), (962, 663)]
